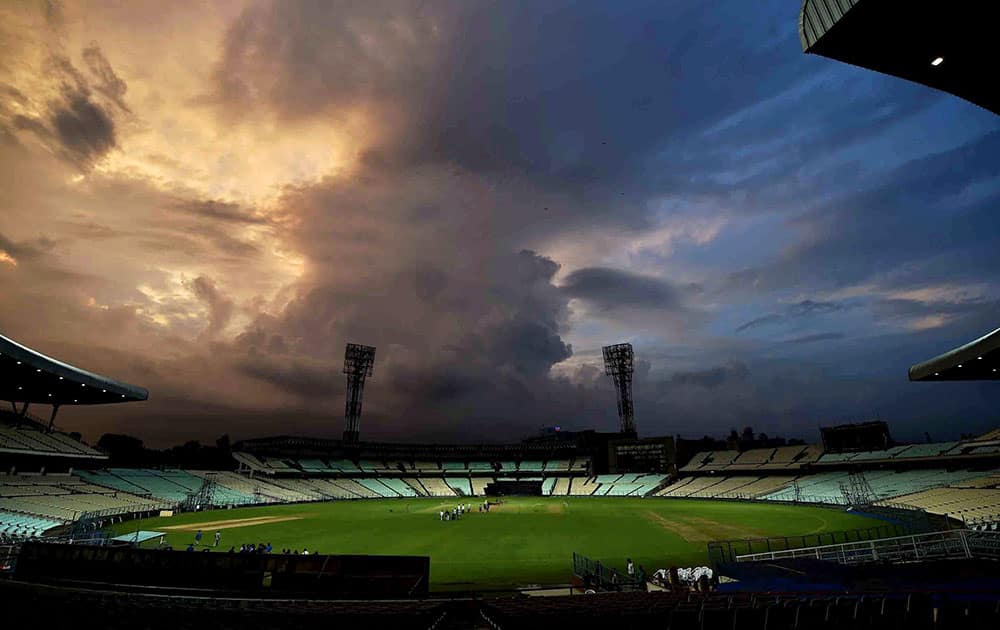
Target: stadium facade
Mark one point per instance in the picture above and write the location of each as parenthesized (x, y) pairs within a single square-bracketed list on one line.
[(978, 360), (948, 48)]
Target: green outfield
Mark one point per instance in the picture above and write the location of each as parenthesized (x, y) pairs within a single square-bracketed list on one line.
[(524, 541)]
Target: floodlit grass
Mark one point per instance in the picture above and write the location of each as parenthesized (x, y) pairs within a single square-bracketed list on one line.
[(524, 541)]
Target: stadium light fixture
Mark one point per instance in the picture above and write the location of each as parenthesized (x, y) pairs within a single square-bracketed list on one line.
[(60, 378), (937, 61)]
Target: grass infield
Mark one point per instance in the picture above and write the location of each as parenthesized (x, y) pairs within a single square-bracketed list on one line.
[(524, 541)]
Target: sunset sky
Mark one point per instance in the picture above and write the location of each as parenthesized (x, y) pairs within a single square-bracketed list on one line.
[(209, 199)]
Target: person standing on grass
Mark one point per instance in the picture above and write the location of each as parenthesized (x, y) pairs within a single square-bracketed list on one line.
[(218, 535), (197, 537), (629, 567)]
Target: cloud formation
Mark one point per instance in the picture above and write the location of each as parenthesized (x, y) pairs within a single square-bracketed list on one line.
[(212, 202)]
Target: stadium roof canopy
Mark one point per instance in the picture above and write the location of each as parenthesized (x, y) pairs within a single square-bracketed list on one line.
[(27, 376), (978, 360), (950, 46)]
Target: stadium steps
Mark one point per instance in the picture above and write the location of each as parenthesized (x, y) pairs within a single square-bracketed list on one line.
[(561, 487), (417, 487), (547, 486)]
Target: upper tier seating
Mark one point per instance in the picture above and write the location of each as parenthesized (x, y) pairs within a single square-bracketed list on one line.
[(560, 465), (252, 462), (313, 465), (481, 467), (793, 457), (752, 458), (29, 438), (927, 450), (530, 466), (344, 465), (710, 460)]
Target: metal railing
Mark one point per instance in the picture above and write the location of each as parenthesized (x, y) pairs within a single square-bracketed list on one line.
[(723, 551), (597, 575), (959, 543)]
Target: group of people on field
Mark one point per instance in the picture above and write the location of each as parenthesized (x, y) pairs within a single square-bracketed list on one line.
[(456, 512)]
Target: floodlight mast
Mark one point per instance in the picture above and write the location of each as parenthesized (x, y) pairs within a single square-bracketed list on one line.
[(619, 364), (359, 362)]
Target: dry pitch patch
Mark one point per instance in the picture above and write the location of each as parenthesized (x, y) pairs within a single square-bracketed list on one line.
[(701, 530), (231, 523)]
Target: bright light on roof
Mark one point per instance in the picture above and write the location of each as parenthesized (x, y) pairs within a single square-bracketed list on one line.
[(937, 61)]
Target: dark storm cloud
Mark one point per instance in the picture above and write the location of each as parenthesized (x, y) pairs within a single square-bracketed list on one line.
[(567, 92), (713, 377), (815, 338), (26, 250), (77, 124), (609, 289), (308, 381), (83, 128), (803, 309), (220, 308)]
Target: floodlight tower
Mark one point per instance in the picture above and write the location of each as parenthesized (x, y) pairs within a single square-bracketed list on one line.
[(359, 362), (619, 364)]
